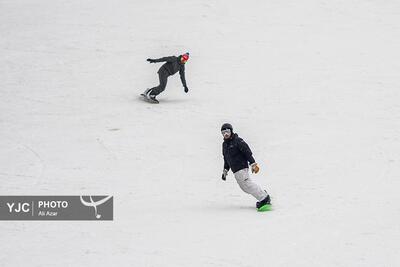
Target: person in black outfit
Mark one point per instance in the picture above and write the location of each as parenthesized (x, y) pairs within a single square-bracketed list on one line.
[(237, 156), (173, 65)]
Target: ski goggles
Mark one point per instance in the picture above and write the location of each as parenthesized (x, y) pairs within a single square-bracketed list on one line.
[(225, 131)]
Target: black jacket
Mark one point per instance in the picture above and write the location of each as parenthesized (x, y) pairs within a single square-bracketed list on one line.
[(173, 65), (237, 154)]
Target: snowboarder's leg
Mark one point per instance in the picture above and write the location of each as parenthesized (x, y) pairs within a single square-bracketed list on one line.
[(247, 185), (163, 76)]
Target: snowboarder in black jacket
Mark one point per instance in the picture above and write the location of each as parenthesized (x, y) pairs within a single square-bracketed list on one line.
[(237, 156), (173, 65)]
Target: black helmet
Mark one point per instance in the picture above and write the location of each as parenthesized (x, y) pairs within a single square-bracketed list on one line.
[(227, 126)]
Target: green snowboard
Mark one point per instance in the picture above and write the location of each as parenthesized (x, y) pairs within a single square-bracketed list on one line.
[(266, 207)]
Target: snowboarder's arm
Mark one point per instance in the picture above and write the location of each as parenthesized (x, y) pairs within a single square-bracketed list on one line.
[(182, 74), (226, 165), (163, 59), (245, 149), (226, 169)]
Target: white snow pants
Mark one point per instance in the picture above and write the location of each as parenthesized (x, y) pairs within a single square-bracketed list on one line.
[(247, 185)]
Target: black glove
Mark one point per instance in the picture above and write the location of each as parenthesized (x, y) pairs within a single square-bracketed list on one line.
[(224, 174), (151, 60), (186, 89)]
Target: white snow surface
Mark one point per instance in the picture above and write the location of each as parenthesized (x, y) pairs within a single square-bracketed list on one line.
[(312, 86)]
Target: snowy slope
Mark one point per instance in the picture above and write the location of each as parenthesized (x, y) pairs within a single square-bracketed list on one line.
[(312, 86)]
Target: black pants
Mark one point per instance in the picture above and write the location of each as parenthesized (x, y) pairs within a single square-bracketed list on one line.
[(163, 76)]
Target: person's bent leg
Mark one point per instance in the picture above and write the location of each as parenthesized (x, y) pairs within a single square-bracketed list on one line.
[(163, 77), (247, 185)]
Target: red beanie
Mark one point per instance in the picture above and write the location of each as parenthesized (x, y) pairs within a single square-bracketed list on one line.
[(185, 57)]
